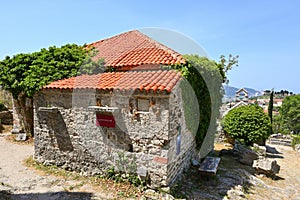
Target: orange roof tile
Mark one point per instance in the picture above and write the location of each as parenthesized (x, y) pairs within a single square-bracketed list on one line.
[(133, 48), (278, 100), (160, 80)]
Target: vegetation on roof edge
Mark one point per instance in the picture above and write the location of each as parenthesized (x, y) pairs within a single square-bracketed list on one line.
[(205, 78)]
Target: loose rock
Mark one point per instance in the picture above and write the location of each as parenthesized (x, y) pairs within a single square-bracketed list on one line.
[(266, 166), (245, 154), (260, 150), (5, 189), (297, 148)]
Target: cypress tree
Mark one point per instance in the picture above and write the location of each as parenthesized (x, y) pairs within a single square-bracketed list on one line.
[(270, 109)]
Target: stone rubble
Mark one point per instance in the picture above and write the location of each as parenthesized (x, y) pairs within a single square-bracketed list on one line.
[(280, 139), (266, 166), (260, 150), (153, 195), (245, 154), (229, 184), (297, 148)]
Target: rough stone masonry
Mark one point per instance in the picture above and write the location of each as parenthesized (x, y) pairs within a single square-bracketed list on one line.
[(154, 144)]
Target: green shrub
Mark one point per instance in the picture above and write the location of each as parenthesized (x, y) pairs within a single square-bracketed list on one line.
[(295, 141), (290, 114), (247, 123)]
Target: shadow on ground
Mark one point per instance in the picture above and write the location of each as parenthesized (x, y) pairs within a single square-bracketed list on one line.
[(47, 196), (232, 179), (272, 152), (269, 155)]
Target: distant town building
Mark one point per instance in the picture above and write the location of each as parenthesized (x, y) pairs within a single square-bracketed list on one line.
[(277, 102), (241, 95), (231, 106)]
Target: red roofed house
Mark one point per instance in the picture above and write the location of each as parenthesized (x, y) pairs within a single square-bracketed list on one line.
[(131, 119)]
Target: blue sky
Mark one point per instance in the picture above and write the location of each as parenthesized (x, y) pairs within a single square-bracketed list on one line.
[(265, 34)]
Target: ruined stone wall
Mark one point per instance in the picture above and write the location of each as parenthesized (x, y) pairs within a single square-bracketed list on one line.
[(6, 118), (145, 142), (279, 139)]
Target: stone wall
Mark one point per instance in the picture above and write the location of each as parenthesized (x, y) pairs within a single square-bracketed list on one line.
[(141, 142), (6, 117), (278, 139), (182, 141)]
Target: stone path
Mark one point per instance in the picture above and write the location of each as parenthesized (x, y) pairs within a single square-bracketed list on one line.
[(288, 184), (18, 182), (239, 182)]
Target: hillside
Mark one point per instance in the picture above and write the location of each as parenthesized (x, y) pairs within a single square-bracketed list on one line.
[(230, 92)]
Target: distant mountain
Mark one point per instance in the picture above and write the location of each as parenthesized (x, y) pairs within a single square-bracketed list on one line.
[(230, 92)]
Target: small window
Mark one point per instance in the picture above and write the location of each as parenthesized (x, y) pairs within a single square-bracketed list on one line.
[(143, 105)]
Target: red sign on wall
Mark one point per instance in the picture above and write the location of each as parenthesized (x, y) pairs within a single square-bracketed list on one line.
[(106, 120)]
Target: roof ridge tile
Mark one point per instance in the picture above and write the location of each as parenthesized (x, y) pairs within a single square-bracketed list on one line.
[(134, 48), (124, 81)]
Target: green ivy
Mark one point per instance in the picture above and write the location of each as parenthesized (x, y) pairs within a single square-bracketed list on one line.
[(203, 76)]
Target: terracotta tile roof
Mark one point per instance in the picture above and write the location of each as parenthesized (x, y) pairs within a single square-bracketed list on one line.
[(133, 48), (160, 80), (278, 100)]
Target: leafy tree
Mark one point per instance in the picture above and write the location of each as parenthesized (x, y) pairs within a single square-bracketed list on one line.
[(93, 67), (295, 141), (267, 92), (226, 64), (290, 113), (276, 124), (248, 123), (24, 74)]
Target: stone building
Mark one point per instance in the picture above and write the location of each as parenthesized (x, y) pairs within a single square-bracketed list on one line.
[(132, 119)]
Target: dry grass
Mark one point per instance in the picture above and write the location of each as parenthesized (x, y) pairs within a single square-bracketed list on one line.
[(218, 146), (12, 138), (118, 190), (6, 128)]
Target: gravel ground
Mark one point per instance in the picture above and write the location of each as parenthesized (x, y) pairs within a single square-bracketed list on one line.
[(19, 182), (235, 181), (287, 186)]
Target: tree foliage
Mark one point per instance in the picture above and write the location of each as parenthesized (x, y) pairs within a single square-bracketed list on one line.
[(290, 113), (248, 123), (24, 74), (27, 73), (226, 64)]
